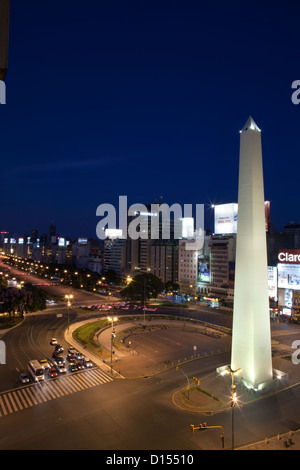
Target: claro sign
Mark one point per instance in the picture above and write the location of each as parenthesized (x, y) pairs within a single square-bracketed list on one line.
[(289, 256)]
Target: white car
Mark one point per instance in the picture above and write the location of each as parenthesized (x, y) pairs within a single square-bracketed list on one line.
[(87, 363), (61, 368), (53, 341)]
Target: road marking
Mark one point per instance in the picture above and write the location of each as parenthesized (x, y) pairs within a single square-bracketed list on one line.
[(19, 392), (7, 404), (42, 392)]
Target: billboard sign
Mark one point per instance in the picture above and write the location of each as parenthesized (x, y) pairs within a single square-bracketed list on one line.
[(226, 218), (289, 276), (272, 281), (203, 270), (289, 256)]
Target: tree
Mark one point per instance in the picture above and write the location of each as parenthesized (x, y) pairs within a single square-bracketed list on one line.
[(172, 286), (15, 301), (3, 283), (38, 296), (143, 287), (111, 277)]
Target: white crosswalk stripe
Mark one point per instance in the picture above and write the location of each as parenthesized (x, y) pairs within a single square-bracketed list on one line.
[(35, 394)]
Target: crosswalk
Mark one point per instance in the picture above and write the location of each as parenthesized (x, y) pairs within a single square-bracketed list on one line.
[(35, 394)]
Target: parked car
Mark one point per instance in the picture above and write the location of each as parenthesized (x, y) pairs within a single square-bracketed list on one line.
[(71, 350), (53, 341)]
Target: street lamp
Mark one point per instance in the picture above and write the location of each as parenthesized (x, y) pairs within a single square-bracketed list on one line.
[(112, 320), (69, 297), (233, 395)]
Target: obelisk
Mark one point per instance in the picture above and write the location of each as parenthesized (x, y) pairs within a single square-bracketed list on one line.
[(251, 332)]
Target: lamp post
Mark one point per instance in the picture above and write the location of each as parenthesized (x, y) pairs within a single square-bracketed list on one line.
[(112, 320), (233, 398), (69, 297)]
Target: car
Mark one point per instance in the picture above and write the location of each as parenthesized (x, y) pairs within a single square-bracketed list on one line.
[(53, 341), (78, 356), (52, 372), (73, 367), (24, 378), (59, 348), (59, 360), (44, 363), (79, 365), (61, 368), (71, 350), (87, 363), (70, 358)]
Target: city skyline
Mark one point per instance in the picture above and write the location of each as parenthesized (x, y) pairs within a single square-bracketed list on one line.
[(144, 101)]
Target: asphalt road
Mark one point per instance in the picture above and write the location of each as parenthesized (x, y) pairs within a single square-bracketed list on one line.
[(83, 412)]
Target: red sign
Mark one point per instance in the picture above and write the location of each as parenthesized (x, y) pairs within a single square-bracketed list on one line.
[(289, 256)]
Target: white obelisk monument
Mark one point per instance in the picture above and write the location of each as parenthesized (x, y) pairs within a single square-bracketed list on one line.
[(251, 332)]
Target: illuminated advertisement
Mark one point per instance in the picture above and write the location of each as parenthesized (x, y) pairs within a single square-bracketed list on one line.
[(113, 233), (289, 256), (289, 276), (272, 281), (61, 242), (82, 241), (288, 298), (226, 218), (203, 270), (21, 241)]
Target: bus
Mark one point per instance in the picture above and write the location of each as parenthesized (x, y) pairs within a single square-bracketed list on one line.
[(36, 370)]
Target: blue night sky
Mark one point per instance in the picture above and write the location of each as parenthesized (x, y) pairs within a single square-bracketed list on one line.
[(145, 99)]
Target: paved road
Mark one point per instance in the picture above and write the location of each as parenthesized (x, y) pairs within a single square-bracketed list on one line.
[(126, 414)]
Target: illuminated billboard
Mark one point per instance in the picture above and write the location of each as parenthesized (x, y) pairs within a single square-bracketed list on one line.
[(289, 256), (82, 241), (113, 233), (226, 218), (203, 269), (272, 281), (289, 276), (61, 242)]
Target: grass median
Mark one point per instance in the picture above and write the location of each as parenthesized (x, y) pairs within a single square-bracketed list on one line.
[(85, 335)]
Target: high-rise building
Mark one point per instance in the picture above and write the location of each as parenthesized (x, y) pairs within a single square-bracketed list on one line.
[(164, 260), (51, 233), (222, 265)]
